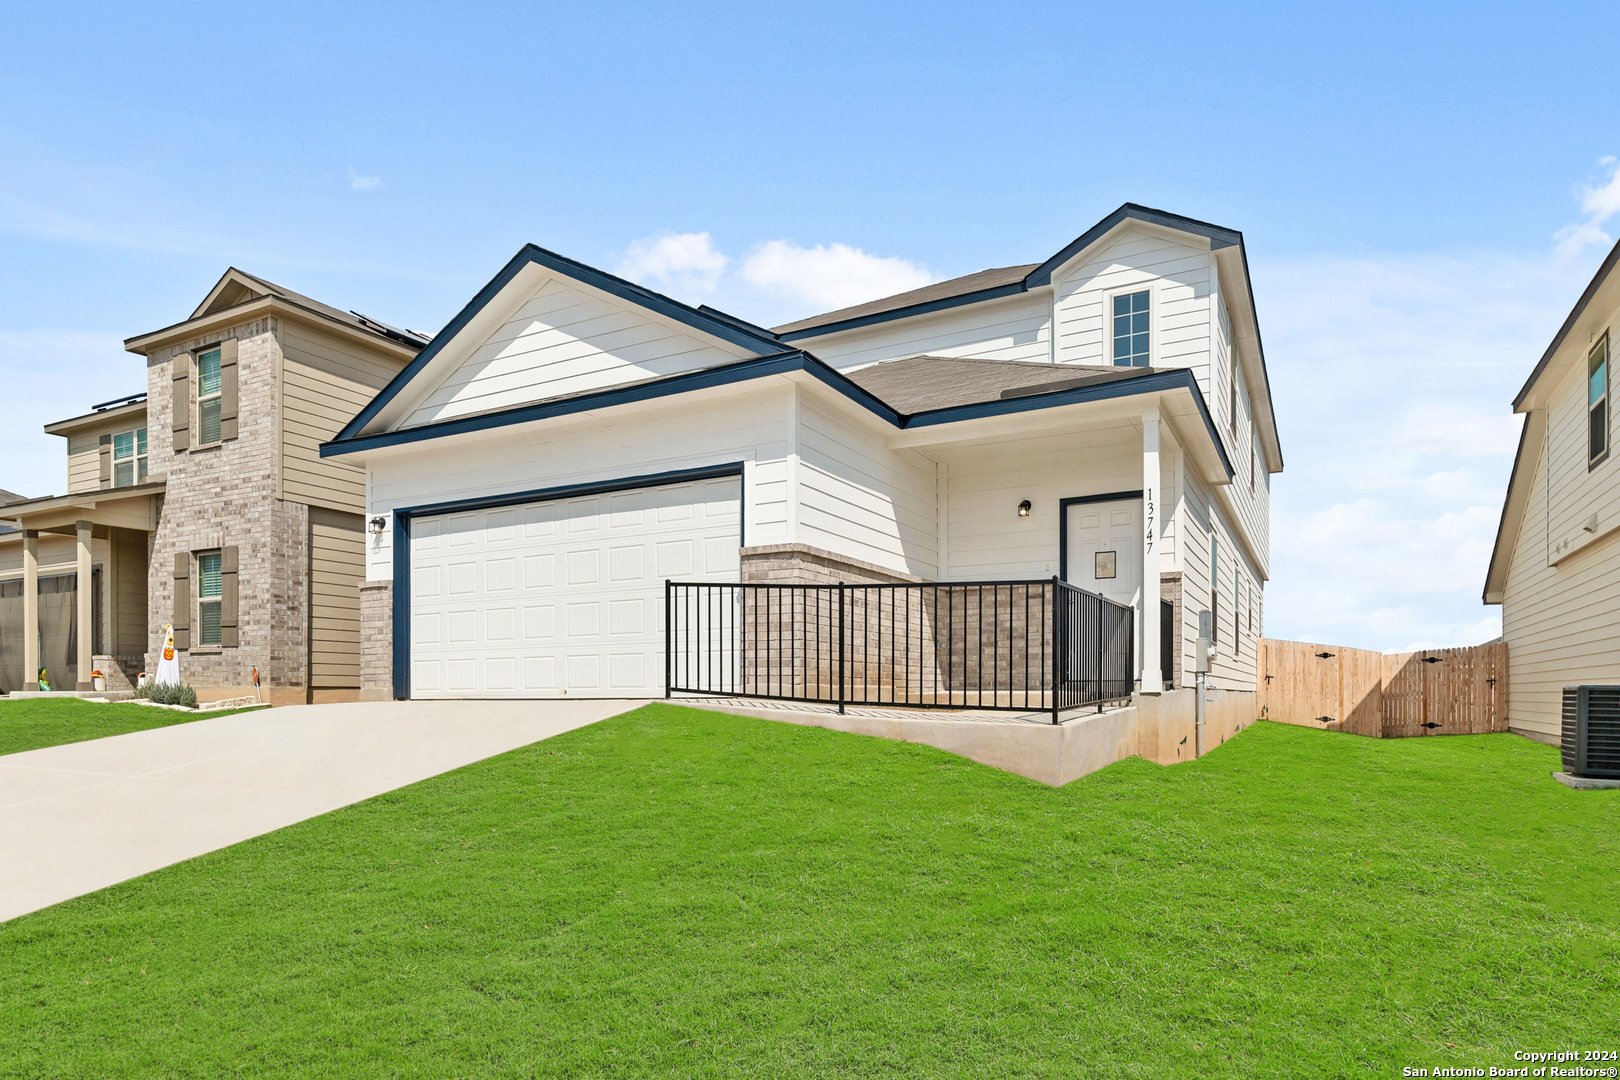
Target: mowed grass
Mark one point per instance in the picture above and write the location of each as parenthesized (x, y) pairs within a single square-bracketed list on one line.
[(35, 723), (680, 893)]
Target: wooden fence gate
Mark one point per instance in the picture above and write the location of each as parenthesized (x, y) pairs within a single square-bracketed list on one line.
[(1389, 695)]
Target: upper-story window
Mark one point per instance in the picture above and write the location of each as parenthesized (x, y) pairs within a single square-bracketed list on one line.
[(208, 397), (210, 594), (1597, 403), (1131, 329), (129, 458)]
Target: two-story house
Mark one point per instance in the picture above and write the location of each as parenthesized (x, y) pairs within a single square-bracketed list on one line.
[(1556, 565), (572, 440), (203, 503)]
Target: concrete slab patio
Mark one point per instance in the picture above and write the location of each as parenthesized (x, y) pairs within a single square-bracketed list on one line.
[(80, 817)]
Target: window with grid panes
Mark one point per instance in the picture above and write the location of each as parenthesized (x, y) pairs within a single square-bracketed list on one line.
[(1131, 329), (129, 458), (1597, 402)]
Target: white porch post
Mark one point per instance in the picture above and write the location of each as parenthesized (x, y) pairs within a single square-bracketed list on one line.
[(30, 626), (1152, 677), (85, 594)]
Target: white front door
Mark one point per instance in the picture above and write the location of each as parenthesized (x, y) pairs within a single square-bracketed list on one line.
[(564, 597), (1105, 554)]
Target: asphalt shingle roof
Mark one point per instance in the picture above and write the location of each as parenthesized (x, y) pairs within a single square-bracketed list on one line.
[(924, 383), (940, 290)]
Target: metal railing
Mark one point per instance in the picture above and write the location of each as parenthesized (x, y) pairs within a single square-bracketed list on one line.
[(1014, 645)]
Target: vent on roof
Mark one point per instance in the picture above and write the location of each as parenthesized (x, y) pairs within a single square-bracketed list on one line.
[(407, 337), (127, 399), (1591, 742)]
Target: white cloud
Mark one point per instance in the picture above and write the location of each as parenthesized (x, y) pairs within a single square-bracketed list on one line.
[(684, 265), (363, 183), (829, 276), (1599, 204)]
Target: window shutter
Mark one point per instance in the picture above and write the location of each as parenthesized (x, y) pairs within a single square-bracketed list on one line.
[(227, 597), (182, 599), (181, 415), (227, 389), (105, 454)]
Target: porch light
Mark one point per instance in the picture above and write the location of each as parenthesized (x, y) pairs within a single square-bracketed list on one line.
[(1024, 508), (377, 525)]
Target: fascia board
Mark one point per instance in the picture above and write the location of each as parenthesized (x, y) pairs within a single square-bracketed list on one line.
[(1217, 236), (1524, 401), (911, 311), (1513, 504), (383, 412), (251, 311), (94, 419)]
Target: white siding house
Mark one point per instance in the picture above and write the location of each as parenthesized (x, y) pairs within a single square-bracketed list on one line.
[(1556, 566), (890, 442)]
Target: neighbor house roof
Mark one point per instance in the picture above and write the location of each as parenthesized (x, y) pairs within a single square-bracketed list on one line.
[(9, 497), (239, 289), (1599, 297)]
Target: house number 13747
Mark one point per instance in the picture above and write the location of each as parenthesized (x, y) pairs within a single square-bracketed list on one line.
[(1147, 509)]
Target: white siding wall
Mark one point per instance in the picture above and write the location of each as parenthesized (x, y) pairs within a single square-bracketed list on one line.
[(1011, 328), (1232, 665), (1182, 278), (859, 498), (1562, 622), (749, 426), (562, 340), (987, 538)]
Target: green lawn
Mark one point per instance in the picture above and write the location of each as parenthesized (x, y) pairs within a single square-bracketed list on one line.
[(38, 722), (677, 893)]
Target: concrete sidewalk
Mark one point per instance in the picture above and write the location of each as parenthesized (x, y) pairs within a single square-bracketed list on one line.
[(80, 817)]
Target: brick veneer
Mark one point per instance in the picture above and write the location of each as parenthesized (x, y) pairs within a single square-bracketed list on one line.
[(225, 495), (377, 641)]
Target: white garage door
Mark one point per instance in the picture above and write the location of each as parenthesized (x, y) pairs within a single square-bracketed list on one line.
[(562, 598)]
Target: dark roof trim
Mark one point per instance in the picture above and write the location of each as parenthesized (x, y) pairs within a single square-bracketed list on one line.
[(1218, 237), (727, 329), (574, 491), (1507, 500), (1569, 323), (905, 312), (781, 364)]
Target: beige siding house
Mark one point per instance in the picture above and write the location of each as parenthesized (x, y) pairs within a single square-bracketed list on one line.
[(1556, 566), (204, 503)]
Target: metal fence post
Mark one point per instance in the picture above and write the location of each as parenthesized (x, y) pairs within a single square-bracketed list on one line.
[(1057, 646), (840, 648)]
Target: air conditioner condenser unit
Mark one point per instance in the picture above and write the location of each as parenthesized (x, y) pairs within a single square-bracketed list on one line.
[(1591, 742)]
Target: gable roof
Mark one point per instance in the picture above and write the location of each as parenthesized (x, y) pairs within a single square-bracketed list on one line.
[(1599, 279), (734, 331)]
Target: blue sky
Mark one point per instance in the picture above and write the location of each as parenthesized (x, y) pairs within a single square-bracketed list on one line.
[(1407, 179)]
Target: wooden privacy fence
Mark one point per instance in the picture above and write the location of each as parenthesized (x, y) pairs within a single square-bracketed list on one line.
[(1388, 695)]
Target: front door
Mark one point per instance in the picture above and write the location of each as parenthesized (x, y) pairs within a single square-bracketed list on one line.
[(1105, 554)]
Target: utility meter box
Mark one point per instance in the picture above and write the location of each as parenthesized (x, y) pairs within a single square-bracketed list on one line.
[(1201, 655)]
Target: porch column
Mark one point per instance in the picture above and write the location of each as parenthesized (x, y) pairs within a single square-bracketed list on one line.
[(85, 594), (1152, 677), (30, 626)]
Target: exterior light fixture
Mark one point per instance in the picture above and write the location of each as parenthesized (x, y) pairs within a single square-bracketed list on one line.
[(378, 524), (1024, 508)]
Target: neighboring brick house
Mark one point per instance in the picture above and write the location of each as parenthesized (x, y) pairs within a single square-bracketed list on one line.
[(226, 523)]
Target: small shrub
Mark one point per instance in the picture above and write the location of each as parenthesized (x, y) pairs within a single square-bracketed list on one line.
[(167, 694)]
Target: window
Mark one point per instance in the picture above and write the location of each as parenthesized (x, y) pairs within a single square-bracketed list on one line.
[(1214, 589), (1232, 380), (129, 458), (1597, 403), (210, 592), (1254, 452), (208, 399), (1131, 329)]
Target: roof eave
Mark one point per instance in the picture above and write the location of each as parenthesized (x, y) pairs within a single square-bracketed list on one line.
[(90, 419), (250, 310), (1574, 317)]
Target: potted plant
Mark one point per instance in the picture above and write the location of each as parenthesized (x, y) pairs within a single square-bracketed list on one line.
[(98, 680)]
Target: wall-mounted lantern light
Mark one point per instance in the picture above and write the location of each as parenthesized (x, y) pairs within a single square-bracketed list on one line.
[(1024, 508), (378, 524)]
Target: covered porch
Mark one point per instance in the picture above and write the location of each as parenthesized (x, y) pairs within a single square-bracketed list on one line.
[(50, 618)]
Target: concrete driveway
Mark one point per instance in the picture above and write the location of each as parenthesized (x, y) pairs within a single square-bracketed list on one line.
[(80, 817)]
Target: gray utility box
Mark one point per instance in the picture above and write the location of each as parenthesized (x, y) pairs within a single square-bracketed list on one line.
[(1591, 742)]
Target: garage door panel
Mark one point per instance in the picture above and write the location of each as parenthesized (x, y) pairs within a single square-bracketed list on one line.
[(564, 597)]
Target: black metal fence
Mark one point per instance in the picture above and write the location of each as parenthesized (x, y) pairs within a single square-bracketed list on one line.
[(1016, 645)]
